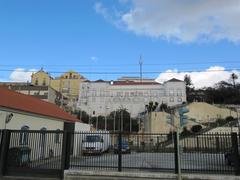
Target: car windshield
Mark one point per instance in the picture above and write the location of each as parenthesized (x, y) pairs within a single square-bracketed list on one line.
[(93, 138)]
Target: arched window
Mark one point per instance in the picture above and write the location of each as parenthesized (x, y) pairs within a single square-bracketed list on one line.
[(57, 136), (24, 135)]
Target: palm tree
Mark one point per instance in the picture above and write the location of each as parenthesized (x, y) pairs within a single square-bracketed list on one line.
[(234, 77)]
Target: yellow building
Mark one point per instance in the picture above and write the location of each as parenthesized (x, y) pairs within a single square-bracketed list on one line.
[(41, 78), (68, 83)]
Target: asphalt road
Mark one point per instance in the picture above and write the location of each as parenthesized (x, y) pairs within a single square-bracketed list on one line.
[(154, 162)]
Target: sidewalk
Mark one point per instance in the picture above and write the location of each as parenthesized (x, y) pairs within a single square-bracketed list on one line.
[(102, 175)]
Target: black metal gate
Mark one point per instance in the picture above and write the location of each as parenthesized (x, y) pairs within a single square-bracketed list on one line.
[(33, 153)]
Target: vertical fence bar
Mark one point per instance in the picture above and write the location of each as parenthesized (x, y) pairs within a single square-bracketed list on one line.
[(236, 154), (175, 152), (65, 161), (4, 151), (120, 151)]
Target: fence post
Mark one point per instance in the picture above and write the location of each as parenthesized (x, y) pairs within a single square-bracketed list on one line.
[(234, 138), (66, 150), (175, 152), (120, 151), (4, 151)]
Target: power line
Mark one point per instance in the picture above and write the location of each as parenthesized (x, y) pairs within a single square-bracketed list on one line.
[(117, 65), (128, 72)]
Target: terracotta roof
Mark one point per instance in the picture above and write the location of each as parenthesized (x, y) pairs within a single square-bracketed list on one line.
[(134, 83), (17, 101)]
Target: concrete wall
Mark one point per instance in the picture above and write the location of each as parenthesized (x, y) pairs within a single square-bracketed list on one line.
[(157, 123)]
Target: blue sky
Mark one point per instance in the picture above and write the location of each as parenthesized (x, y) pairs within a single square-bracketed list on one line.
[(109, 36)]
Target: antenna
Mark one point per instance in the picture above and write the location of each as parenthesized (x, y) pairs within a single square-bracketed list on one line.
[(140, 65)]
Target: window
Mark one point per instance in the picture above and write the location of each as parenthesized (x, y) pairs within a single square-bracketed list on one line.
[(24, 135), (57, 136), (36, 81), (171, 92), (44, 82), (179, 92), (171, 99), (179, 99)]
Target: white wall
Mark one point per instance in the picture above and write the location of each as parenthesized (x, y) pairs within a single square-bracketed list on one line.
[(78, 137), (35, 140), (33, 122), (104, 98)]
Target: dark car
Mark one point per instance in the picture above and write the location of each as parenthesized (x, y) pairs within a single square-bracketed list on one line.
[(230, 157), (125, 147)]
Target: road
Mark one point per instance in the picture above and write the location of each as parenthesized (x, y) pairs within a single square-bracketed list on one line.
[(154, 161)]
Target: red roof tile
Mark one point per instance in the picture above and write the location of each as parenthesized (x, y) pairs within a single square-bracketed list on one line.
[(14, 100)]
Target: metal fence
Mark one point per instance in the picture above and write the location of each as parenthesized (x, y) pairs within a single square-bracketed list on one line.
[(50, 152), (153, 152), (33, 153), (1, 132), (121, 151), (206, 153)]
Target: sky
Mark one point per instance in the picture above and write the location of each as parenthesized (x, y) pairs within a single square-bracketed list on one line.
[(104, 39)]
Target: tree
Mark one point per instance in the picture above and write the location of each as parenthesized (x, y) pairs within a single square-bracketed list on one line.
[(119, 115), (196, 128), (234, 77), (163, 107), (188, 80), (189, 89), (83, 116), (150, 107)]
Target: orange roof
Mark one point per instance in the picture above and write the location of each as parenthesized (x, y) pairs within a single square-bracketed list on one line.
[(17, 101)]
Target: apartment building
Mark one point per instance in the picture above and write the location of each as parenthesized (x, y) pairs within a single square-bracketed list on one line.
[(102, 97)]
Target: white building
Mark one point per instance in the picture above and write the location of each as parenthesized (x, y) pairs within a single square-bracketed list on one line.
[(23, 112), (101, 97)]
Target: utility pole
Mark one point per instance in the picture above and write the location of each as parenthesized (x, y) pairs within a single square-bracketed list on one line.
[(140, 65)]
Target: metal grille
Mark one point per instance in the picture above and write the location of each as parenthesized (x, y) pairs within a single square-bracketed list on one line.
[(94, 150), (34, 152), (206, 153)]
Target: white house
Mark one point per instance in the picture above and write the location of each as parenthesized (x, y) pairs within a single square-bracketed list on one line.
[(23, 112), (102, 97)]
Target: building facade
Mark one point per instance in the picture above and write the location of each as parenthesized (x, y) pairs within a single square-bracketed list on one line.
[(101, 97), (67, 84)]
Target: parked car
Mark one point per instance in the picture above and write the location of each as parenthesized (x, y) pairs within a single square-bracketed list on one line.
[(96, 142), (125, 147)]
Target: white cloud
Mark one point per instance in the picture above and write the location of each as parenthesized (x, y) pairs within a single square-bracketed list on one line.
[(183, 21), (21, 75), (100, 9), (205, 78)]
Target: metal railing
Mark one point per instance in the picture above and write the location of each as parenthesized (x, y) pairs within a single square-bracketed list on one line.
[(154, 152), (50, 152)]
